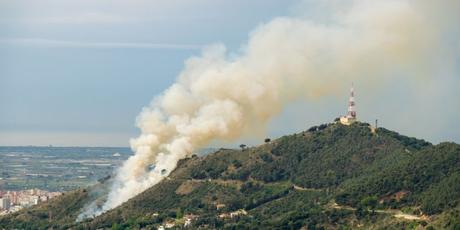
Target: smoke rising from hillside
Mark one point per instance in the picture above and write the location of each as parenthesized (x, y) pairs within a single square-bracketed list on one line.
[(222, 96)]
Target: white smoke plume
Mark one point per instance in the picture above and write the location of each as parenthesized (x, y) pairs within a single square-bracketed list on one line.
[(222, 96)]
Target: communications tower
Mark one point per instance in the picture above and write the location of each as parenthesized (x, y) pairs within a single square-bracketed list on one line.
[(351, 115)]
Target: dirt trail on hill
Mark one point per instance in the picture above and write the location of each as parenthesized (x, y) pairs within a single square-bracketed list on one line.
[(306, 189), (394, 212)]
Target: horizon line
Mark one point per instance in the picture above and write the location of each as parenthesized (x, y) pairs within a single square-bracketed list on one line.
[(79, 44), (63, 146)]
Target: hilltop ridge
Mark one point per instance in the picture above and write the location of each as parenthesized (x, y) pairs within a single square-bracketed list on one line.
[(327, 177)]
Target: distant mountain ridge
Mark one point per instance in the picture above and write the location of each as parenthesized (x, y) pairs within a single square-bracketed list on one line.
[(329, 177)]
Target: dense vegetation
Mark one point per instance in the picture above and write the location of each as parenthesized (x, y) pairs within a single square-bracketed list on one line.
[(429, 177), (329, 177)]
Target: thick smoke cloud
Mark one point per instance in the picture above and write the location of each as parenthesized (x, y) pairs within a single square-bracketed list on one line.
[(222, 96)]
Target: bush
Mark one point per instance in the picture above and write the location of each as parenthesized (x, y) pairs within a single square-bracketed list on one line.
[(312, 129), (267, 157), (236, 163)]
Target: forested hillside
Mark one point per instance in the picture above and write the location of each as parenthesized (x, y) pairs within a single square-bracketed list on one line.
[(329, 177)]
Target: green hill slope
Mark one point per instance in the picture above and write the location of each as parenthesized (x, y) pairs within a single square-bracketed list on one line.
[(330, 177), (430, 177)]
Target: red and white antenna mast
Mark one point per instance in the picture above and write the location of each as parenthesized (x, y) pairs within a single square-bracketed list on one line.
[(351, 104)]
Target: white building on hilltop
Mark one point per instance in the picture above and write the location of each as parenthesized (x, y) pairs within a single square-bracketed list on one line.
[(351, 115)]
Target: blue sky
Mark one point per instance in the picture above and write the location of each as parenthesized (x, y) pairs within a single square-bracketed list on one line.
[(71, 71), (79, 72)]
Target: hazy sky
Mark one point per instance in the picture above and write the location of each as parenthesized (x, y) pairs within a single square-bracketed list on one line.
[(78, 72)]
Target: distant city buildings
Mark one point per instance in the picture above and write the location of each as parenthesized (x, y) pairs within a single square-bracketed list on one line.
[(12, 201), (5, 203)]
